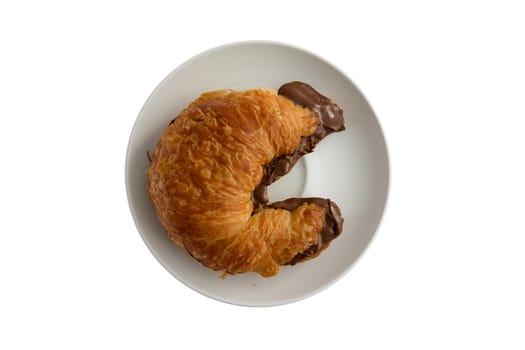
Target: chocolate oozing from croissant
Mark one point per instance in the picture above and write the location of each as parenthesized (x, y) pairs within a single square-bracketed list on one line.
[(330, 120), (209, 160), (333, 224)]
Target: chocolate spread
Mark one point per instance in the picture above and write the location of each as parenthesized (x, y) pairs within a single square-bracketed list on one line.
[(330, 120), (333, 223)]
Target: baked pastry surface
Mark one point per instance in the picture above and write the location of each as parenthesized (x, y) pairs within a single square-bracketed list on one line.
[(205, 168)]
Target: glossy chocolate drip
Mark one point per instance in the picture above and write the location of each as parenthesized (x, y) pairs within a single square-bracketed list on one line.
[(330, 114), (330, 120), (333, 224)]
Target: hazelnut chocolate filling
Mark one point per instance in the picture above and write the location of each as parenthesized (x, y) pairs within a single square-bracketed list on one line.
[(330, 120)]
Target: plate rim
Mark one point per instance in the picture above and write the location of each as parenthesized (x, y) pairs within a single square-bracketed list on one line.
[(388, 172)]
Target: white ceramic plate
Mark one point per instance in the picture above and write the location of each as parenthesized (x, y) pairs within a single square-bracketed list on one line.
[(350, 167)]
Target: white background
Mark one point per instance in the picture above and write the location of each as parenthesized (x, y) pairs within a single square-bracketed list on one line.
[(447, 267)]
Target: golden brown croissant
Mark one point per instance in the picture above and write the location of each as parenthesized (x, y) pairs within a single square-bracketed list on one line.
[(210, 170)]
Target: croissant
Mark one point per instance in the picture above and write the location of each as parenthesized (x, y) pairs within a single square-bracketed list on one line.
[(210, 170)]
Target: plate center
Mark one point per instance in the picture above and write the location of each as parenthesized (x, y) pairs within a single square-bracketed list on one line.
[(290, 185)]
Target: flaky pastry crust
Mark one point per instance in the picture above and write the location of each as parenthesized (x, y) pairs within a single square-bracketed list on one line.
[(205, 167)]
